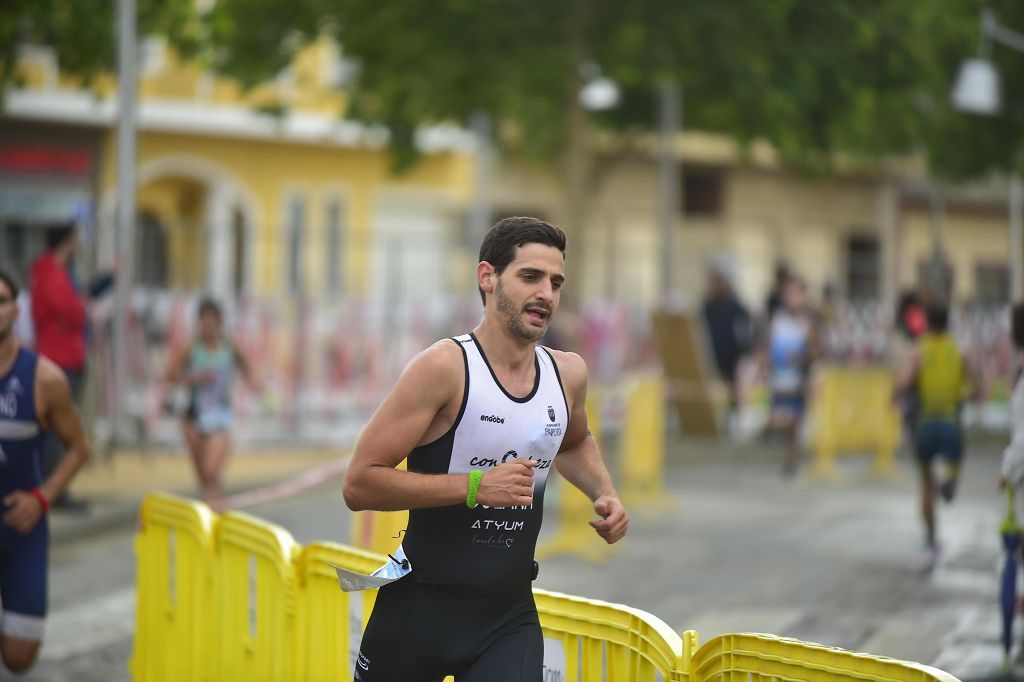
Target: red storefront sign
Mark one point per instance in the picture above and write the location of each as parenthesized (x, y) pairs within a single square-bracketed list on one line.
[(37, 159)]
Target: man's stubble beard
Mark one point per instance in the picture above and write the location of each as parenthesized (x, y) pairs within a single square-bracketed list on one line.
[(513, 320)]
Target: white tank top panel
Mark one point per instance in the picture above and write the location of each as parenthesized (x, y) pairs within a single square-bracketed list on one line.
[(488, 546)]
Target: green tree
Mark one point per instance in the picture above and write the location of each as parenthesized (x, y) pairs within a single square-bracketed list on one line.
[(813, 78), (83, 34)]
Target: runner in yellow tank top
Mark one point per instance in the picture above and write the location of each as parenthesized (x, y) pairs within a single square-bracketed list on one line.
[(935, 371)]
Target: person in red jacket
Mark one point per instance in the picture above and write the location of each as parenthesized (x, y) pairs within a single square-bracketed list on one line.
[(60, 319)]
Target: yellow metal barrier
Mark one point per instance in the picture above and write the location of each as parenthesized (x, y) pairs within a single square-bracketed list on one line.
[(255, 605), (643, 448), (575, 510), (766, 658), (586, 639), (329, 622), (174, 584), (854, 411), (236, 599)]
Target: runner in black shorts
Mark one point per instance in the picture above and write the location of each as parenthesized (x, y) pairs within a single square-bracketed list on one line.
[(482, 418)]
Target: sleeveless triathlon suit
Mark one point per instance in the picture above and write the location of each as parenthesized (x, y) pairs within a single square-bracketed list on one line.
[(467, 608), (22, 557), (210, 403)]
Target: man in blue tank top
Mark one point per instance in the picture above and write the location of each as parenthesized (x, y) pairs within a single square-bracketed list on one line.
[(481, 418), (34, 397)]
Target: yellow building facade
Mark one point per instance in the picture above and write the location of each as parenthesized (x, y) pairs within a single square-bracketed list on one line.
[(235, 200), (869, 236)]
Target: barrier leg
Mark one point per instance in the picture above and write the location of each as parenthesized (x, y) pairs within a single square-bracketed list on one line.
[(885, 462), (889, 426), (825, 418), (643, 449)]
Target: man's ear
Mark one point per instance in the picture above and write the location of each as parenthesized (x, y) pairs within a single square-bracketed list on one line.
[(486, 277)]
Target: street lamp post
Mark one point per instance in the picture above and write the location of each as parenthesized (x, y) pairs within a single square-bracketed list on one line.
[(977, 90), (669, 179), (127, 48)]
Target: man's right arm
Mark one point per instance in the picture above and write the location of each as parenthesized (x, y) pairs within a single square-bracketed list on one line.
[(432, 382)]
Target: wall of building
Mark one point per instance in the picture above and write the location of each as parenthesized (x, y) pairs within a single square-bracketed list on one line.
[(263, 176), (969, 239)]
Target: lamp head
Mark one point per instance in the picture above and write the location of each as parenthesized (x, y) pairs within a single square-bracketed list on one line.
[(977, 88)]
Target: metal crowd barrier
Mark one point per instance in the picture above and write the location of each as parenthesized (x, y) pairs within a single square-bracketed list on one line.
[(173, 629), (767, 658), (586, 639), (236, 598), (255, 599), (853, 411)]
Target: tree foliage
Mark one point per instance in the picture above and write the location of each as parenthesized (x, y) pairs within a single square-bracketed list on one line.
[(84, 34), (866, 79)]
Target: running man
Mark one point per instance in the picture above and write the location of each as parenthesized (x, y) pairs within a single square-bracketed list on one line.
[(481, 418), (34, 397), (934, 371), (208, 366)]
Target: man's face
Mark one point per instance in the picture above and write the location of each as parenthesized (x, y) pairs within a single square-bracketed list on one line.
[(8, 311), (527, 292)]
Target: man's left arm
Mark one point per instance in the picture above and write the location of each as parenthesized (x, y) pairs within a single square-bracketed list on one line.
[(59, 414), (579, 459)]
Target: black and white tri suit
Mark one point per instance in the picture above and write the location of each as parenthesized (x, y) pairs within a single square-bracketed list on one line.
[(467, 608)]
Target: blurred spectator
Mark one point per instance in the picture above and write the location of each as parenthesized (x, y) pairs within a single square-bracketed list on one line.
[(729, 327), (829, 323), (776, 297), (912, 322), (935, 371), (828, 311), (24, 330), (792, 348), (1012, 470), (207, 365), (910, 315), (59, 318)]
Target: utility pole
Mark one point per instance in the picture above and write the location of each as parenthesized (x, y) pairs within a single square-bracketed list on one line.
[(481, 209), (1016, 202), (127, 49), (669, 179)]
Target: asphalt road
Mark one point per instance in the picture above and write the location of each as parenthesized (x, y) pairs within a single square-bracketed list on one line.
[(742, 550)]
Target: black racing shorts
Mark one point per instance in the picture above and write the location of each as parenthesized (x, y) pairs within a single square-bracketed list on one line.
[(423, 632)]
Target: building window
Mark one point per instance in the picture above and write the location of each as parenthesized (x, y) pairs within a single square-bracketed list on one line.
[(238, 240), (862, 268), (938, 282), (151, 253), (702, 192), (991, 283), (295, 233), (335, 246)]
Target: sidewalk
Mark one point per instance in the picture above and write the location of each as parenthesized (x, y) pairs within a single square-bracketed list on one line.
[(115, 487)]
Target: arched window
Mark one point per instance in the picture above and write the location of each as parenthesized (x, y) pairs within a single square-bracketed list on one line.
[(151, 253)]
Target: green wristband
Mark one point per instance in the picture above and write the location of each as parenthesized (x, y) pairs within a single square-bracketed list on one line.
[(475, 476)]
